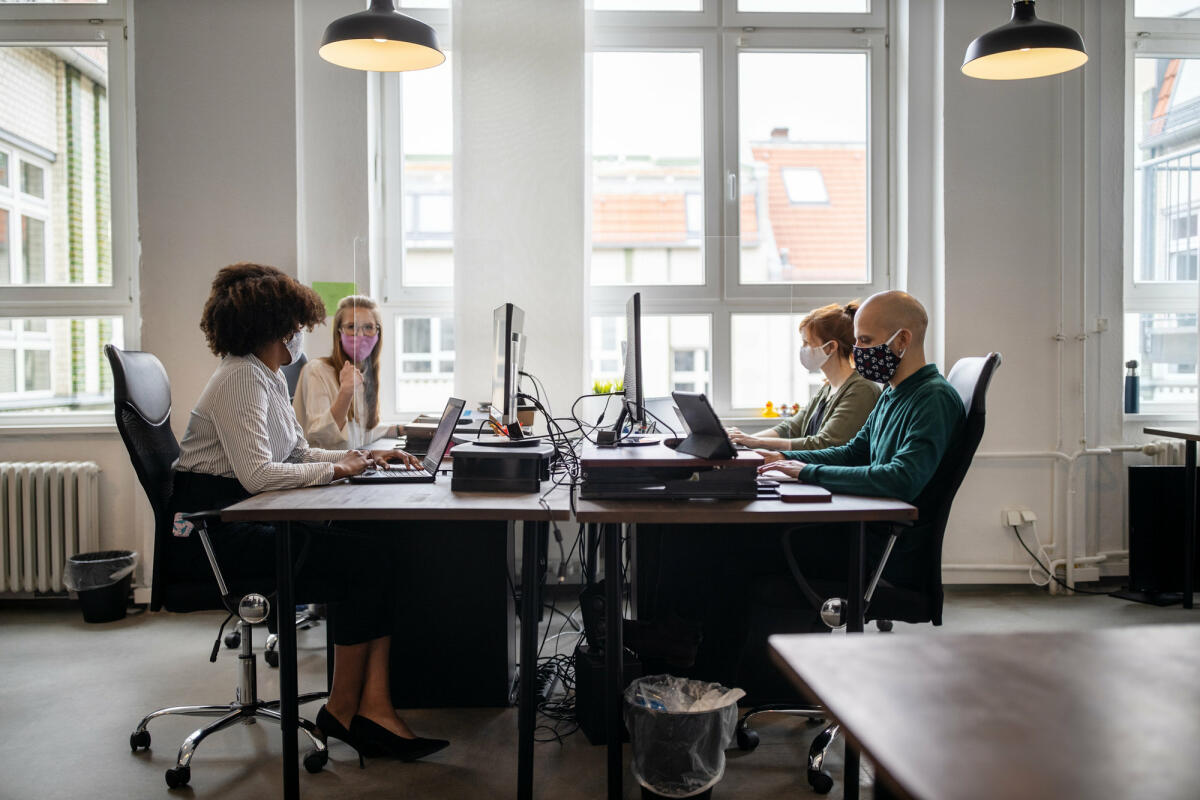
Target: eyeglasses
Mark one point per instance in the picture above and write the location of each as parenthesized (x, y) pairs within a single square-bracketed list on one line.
[(366, 329)]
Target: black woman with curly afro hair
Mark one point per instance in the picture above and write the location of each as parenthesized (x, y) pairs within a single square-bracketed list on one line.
[(243, 438)]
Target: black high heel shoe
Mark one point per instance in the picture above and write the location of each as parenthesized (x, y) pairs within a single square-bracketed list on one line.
[(374, 739), (331, 727)]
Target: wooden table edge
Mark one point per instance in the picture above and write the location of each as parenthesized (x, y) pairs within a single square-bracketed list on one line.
[(881, 770), (233, 514)]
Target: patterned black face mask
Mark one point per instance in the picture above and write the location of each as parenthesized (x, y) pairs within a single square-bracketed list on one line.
[(877, 363)]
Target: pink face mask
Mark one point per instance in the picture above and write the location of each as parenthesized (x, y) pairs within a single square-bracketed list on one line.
[(358, 347)]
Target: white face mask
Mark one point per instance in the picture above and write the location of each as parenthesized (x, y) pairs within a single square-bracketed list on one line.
[(813, 358), (295, 346)]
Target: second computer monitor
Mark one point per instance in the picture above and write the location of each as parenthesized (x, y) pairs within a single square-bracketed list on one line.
[(634, 400), (508, 345)]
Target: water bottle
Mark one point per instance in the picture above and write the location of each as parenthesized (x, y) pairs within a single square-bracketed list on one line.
[(1131, 388)]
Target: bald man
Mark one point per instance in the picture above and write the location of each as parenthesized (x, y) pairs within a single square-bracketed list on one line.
[(918, 416)]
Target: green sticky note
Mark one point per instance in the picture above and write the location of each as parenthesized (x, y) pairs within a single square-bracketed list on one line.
[(332, 293)]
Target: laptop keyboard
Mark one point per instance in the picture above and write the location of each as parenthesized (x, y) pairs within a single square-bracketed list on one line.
[(394, 471)]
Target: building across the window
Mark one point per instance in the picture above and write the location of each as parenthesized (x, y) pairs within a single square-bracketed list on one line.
[(54, 222), (803, 216)]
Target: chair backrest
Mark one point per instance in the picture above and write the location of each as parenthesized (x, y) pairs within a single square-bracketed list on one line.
[(971, 378), (291, 372), (142, 401)]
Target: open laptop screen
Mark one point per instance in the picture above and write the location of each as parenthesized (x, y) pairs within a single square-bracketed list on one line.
[(441, 437)]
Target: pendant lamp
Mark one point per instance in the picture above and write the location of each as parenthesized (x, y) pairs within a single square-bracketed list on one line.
[(1025, 47), (381, 39)]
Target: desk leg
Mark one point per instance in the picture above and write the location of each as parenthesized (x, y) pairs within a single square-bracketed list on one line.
[(1189, 523), (289, 710), (613, 666), (854, 624), (531, 532), (328, 651)]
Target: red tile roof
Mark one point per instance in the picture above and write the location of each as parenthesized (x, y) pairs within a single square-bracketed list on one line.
[(826, 240)]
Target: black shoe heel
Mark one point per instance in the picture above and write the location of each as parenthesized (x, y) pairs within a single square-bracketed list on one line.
[(374, 737), (331, 727)]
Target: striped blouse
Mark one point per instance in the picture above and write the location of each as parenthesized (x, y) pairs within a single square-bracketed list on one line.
[(243, 427)]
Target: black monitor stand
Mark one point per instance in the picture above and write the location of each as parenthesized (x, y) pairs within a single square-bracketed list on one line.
[(633, 440)]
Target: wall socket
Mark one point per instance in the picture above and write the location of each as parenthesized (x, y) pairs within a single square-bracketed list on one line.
[(1016, 516)]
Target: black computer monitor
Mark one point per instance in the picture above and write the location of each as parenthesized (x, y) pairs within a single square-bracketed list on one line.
[(507, 354), (633, 405)]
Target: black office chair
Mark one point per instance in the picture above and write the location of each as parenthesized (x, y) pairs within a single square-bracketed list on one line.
[(885, 602), (312, 614), (142, 398)]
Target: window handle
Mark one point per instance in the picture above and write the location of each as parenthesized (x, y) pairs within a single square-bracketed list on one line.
[(731, 186)]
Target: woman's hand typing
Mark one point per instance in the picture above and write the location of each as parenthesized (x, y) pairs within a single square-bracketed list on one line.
[(353, 463), (390, 456)]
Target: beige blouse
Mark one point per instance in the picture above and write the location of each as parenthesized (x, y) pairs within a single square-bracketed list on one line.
[(315, 392)]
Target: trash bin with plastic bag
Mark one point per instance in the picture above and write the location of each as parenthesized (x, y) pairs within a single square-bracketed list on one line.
[(679, 730), (102, 580)]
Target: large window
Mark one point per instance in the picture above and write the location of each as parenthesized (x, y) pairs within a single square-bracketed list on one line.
[(738, 180), (65, 221), (415, 240), (1163, 205)]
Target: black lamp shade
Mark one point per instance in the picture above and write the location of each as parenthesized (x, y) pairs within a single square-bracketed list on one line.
[(1025, 47), (381, 39)]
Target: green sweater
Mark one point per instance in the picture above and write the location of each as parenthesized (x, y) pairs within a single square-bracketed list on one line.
[(845, 412), (899, 448)]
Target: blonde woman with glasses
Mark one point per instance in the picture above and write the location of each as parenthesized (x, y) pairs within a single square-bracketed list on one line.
[(337, 397)]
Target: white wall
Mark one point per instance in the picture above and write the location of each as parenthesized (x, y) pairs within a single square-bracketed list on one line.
[(216, 151), (519, 187), (1032, 249)]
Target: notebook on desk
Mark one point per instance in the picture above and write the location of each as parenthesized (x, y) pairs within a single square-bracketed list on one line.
[(427, 472)]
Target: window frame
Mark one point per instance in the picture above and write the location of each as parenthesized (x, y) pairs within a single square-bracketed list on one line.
[(1153, 37), (874, 44), (387, 223), (666, 42), (49, 25), (64, 12), (722, 296)]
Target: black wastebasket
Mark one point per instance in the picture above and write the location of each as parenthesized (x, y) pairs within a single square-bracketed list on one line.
[(102, 581)]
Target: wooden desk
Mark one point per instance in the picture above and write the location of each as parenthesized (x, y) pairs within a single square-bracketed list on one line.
[(1085, 714), (1190, 435), (855, 511), (390, 501)]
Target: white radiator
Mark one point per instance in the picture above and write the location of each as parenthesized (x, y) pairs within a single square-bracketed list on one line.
[(49, 511), (1168, 452)]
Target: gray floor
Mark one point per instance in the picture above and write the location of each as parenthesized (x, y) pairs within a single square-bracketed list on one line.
[(70, 693)]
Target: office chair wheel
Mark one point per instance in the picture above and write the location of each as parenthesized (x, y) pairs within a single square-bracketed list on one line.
[(820, 781), (271, 657), (233, 639), (884, 625), (747, 739), (178, 777), (316, 760), (139, 739)]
